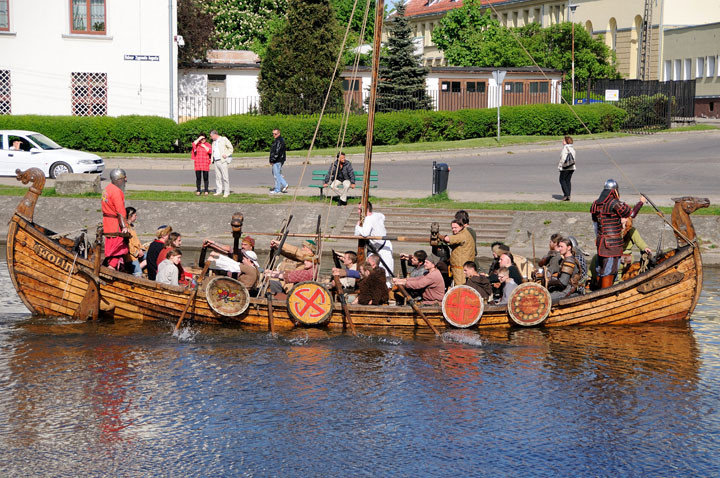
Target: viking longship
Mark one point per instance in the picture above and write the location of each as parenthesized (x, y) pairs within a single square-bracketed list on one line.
[(53, 278)]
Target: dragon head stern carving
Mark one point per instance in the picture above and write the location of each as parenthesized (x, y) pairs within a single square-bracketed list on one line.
[(684, 206)]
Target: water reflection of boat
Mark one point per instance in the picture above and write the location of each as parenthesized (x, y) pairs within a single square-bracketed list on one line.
[(53, 281)]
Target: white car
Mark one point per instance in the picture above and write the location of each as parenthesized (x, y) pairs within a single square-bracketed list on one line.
[(26, 149)]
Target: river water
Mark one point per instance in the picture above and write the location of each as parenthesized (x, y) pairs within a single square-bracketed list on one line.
[(131, 399)]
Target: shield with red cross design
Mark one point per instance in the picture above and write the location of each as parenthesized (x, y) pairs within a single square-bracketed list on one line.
[(309, 303), (529, 304), (462, 306)]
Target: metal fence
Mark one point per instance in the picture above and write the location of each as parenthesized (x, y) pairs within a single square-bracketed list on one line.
[(651, 105)]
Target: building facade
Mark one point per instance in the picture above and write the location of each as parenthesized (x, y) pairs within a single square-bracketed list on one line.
[(694, 53), (622, 24), (88, 57), (227, 85)]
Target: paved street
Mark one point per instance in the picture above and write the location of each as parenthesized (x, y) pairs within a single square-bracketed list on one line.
[(660, 165)]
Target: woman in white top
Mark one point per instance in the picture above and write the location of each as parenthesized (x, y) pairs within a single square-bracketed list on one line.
[(566, 166)]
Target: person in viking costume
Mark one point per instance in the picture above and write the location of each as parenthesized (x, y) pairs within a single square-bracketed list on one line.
[(115, 218), (567, 281), (607, 212)]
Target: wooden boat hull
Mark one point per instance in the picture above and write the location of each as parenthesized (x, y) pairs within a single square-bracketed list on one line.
[(52, 281)]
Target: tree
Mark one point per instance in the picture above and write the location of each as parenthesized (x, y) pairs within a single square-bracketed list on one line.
[(238, 23), (300, 59), (402, 78), (196, 27), (469, 36)]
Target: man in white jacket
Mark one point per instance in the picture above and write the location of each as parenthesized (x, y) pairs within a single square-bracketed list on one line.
[(222, 151), (374, 225)]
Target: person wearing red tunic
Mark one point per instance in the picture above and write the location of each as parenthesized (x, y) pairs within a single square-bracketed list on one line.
[(114, 217), (201, 156)]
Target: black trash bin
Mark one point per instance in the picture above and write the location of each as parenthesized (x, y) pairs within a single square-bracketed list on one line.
[(441, 173)]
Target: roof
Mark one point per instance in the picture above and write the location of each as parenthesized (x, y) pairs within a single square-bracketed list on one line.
[(415, 8)]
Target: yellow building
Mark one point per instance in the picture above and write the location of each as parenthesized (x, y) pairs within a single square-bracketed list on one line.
[(620, 22)]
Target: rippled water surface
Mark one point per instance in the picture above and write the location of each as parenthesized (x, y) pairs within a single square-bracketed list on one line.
[(131, 399)]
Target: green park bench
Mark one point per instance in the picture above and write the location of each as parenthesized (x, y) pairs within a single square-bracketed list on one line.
[(318, 178)]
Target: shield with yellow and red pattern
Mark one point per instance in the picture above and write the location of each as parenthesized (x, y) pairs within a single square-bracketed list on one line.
[(309, 303)]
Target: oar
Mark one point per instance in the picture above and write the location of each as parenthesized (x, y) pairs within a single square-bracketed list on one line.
[(404, 292), (662, 216), (341, 296), (192, 296)]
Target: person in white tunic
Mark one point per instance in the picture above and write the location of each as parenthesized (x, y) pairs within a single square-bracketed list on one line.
[(374, 225)]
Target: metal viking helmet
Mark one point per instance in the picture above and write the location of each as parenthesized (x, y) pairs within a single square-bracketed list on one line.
[(117, 174), (611, 184)]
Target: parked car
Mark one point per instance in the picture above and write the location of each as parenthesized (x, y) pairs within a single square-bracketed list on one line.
[(26, 149)]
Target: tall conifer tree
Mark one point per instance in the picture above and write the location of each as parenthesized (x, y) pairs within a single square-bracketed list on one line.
[(402, 77), (299, 62)]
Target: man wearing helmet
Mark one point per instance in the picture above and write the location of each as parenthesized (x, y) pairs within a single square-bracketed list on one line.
[(607, 212), (114, 217)]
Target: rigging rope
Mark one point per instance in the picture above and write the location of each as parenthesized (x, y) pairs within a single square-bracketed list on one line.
[(346, 117), (572, 109)]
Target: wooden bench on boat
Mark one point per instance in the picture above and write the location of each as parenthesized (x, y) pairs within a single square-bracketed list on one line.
[(319, 176)]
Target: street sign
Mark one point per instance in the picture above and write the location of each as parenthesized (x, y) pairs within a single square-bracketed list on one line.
[(612, 95), (142, 58), (499, 76)]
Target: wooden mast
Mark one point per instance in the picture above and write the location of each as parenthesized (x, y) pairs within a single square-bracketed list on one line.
[(379, 13)]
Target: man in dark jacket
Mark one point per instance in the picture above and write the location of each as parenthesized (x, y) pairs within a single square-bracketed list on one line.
[(340, 177), (277, 159), (607, 212)]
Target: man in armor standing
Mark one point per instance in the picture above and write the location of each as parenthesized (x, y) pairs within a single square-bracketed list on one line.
[(607, 212), (114, 217)]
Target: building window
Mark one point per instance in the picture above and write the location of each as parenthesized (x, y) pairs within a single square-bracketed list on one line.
[(5, 92), (677, 70), (537, 87), (710, 66), (700, 67), (89, 94), (667, 73), (355, 84), (513, 86), (87, 16), (687, 70), (4, 15), (475, 87)]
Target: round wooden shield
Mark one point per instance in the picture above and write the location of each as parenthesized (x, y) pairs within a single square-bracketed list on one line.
[(462, 306), (309, 303), (226, 296), (530, 304)]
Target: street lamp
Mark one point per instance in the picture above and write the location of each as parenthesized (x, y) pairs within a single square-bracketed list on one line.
[(572, 8)]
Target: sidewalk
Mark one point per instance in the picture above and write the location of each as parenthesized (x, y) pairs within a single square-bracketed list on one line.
[(240, 162)]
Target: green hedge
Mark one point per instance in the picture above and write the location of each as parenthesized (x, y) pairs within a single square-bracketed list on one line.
[(121, 134), (253, 133), (134, 134)]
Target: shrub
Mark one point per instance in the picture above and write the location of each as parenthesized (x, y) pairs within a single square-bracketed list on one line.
[(136, 134), (645, 110), (122, 134)]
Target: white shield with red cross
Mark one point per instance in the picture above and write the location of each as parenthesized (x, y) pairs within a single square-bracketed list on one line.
[(462, 306)]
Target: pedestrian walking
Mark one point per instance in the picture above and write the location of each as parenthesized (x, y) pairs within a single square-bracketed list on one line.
[(222, 151), (566, 166), (277, 159), (201, 151)]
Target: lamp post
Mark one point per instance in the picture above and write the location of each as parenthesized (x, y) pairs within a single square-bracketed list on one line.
[(572, 19)]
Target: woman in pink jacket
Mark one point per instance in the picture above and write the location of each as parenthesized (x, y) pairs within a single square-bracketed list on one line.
[(201, 155)]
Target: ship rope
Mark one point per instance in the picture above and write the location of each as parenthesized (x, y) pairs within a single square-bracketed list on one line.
[(572, 110)]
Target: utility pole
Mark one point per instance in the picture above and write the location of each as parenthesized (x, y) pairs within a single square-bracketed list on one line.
[(572, 19)]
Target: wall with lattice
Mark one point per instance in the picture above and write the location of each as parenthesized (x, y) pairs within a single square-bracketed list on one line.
[(89, 94), (5, 103)]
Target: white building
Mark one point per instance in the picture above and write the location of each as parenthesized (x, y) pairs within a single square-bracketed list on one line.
[(88, 57), (227, 85)]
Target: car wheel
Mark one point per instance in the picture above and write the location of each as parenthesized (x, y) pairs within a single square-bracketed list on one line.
[(59, 168)]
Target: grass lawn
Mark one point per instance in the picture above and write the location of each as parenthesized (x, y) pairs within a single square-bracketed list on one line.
[(413, 147), (439, 201)]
